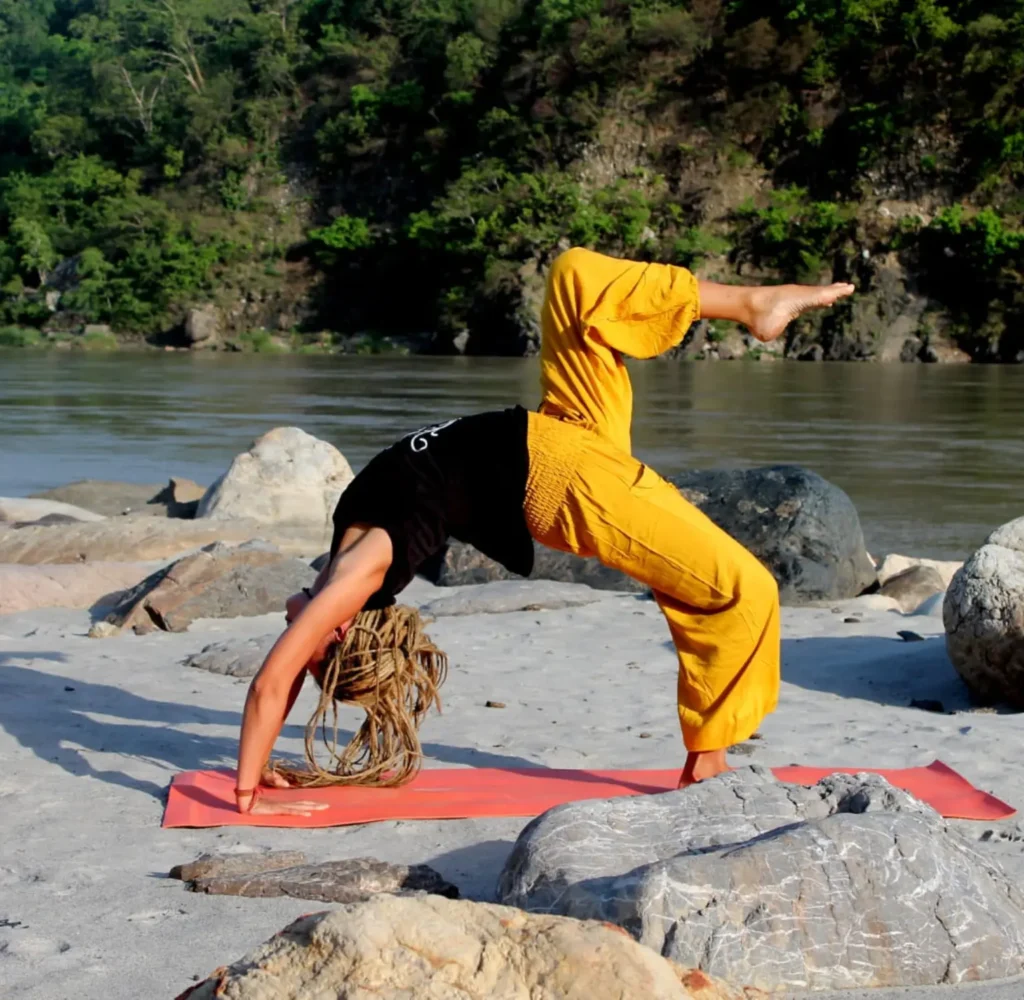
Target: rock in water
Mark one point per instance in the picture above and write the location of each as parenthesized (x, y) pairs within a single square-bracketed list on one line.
[(288, 477), (849, 884), (102, 496), (913, 587), (203, 326), (984, 618), (802, 527), (431, 948), (221, 581), (235, 657), (348, 881)]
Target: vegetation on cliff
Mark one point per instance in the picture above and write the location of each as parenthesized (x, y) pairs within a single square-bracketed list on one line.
[(412, 165)]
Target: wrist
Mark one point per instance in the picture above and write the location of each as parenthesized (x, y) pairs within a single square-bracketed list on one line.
[(245, 799)]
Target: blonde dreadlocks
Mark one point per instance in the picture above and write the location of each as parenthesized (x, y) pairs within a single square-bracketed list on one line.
[(387, 665)]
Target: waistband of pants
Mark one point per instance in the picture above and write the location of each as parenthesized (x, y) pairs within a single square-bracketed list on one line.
[(555, 447)]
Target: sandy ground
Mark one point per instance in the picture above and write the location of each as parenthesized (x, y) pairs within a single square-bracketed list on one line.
[(91, 732)]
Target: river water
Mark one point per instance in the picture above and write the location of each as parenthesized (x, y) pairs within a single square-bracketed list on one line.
[(933, 456)]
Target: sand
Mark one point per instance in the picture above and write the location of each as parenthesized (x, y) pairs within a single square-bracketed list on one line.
[(91, 732)]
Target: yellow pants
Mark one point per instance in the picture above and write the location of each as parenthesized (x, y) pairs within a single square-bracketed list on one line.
[(587, 494)]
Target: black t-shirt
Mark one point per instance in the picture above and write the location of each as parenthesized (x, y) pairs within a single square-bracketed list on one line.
[(464, 478)]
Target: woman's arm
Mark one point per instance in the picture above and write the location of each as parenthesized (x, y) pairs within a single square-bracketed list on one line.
[(355, 576)]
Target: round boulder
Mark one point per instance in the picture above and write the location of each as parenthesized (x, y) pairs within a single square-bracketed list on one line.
[(984, 618), (287, 478)]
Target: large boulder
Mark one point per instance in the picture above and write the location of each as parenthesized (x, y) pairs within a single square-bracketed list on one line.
[(984, 618), (287, 478), (102, 496), (23, 588), (849, 884), (221, 581), (431, 948), (25, 510), (802, 527)]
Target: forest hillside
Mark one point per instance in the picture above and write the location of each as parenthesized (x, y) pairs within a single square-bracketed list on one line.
[(319, 172)]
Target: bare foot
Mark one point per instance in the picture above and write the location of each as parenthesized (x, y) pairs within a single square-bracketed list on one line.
[(701, 765), (774, 307)]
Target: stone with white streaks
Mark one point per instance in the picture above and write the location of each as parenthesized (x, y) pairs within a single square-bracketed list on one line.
[(849, 884)]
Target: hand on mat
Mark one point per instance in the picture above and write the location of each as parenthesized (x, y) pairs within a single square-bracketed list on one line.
[(271, 807)]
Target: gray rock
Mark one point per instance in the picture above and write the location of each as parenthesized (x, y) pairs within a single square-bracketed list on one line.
[(287, 477), (913, 587), (203, 326), (220, 581), (218, 865), (430, 948), (983, 616), (462, 564), (235, 657), (505, 596), (348, 881), (802, 527), (102, 496), (851, 883)]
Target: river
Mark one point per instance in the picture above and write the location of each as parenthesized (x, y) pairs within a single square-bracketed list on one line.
[(933, 456)]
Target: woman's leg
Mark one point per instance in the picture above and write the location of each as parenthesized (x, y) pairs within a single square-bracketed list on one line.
[(721, 604)]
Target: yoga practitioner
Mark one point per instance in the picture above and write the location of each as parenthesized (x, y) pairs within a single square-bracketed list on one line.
[(563, 476)]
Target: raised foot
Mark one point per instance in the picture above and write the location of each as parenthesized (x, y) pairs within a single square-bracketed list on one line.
[(774, 307)]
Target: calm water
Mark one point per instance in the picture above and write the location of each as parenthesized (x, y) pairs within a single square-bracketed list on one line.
[(932, 456)]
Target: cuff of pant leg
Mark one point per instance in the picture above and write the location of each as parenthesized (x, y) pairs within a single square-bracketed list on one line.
[(720, 734)]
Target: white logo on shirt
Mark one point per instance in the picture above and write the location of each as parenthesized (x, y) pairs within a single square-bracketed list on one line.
[(420, 440)]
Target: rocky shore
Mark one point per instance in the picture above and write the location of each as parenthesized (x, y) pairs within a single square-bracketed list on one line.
[(131, 616)]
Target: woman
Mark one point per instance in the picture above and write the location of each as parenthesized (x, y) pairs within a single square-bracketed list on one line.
[(564, 476)]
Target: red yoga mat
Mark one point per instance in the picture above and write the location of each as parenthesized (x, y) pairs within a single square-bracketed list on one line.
[(206, 798)]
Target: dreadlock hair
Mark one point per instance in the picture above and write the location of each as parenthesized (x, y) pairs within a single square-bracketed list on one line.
[(388, 666)]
